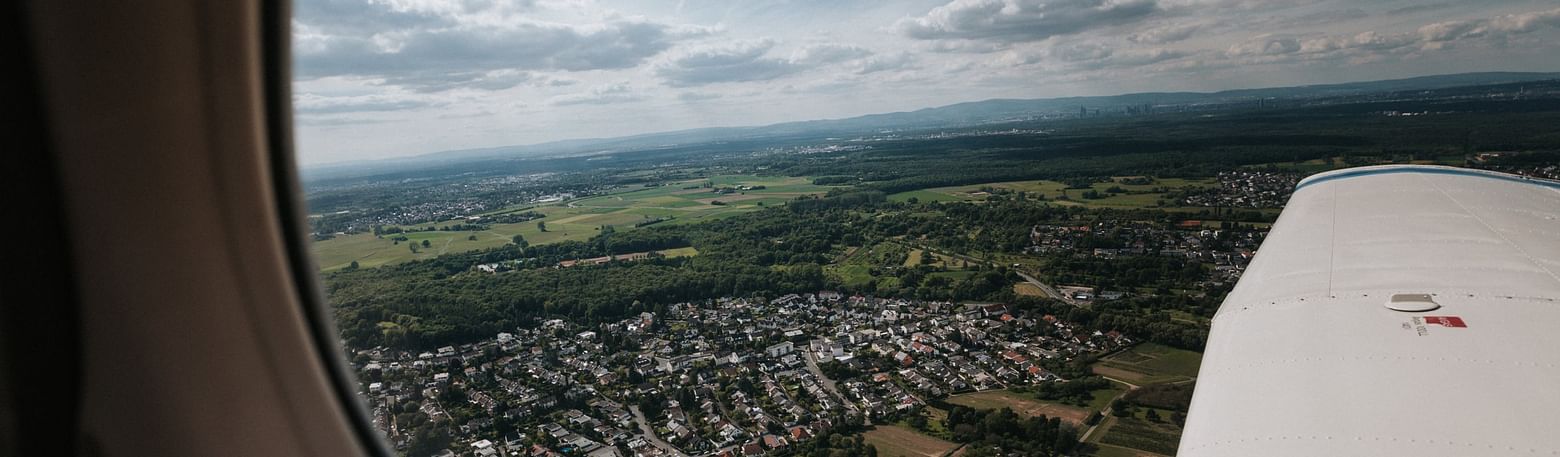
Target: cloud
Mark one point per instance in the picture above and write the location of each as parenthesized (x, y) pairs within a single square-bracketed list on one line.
[(1498, 28), (525, 46), (748, 61), (307, 103), (697, 96), (829, 53), (964, 46), (1165, 34), (1022, 20), (1453, 30), (602, 95), (890, 62), (361, 17), (1142, 57), (1265, 45), (1415, 9), (1082, 52), (442, 81), (435, 50), (314, 121), (1072, 57)]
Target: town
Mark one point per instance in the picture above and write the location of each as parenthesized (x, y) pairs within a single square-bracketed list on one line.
[(731, 376)]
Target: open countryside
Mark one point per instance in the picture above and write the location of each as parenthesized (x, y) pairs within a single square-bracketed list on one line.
[(679, 202)]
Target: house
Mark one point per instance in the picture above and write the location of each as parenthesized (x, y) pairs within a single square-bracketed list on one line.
[(774, 442), (779, 349), (798, 433)]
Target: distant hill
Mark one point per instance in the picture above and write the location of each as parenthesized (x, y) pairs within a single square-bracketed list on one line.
[(968, 113)]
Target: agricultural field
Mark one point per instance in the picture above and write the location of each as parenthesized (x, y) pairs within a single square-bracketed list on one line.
[(1137, 432), (1131, 195), (1150, 363), (1105, 450), (1022, 404), (576, 220), (896, 441)]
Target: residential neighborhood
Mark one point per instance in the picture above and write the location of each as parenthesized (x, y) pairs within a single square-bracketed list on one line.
[(725, 377)]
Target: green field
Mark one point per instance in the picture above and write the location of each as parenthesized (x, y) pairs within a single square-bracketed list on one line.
[(1105, 450), (1150, 363), (1099, 399), (576, 220), (1020, 403), (895, 441), (1134, 195), (1137, 432)]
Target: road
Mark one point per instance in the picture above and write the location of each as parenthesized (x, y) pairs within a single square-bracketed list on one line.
[(649, 433), (1106, 413), (828, 384), (1049, 291)]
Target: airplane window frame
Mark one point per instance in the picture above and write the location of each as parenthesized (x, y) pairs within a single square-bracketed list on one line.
[(276, 63)]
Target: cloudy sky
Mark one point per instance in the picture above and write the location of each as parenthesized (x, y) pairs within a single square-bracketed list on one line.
[(390, 78)]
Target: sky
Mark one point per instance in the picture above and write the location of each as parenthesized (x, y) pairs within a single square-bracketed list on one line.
[(379, 79)]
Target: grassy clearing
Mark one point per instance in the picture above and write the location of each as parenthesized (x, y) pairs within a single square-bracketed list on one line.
[(1028, 289), (1150, 363), (577, 220), (680, 252), (896, 441), (924, 196), (1099, 399), (1021, 404), (937, 260)]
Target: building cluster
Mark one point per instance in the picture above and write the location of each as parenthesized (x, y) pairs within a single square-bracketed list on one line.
[(724, 377), (1246, 189)]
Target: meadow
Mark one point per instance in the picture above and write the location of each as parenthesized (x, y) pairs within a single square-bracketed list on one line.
[(1021, 404), (684, 202), (896, 441)]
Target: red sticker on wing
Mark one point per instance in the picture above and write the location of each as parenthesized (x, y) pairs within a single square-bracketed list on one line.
[(1446, 321)]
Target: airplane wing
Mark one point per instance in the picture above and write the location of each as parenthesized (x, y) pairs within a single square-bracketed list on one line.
[(1392, 310)]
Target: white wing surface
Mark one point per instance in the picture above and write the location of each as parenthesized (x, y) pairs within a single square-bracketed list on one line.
[(1392, 311)]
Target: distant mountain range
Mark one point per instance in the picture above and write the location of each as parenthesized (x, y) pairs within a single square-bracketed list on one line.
[(959, 114)]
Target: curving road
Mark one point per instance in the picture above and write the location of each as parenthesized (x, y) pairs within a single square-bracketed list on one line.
[(649, 433)]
